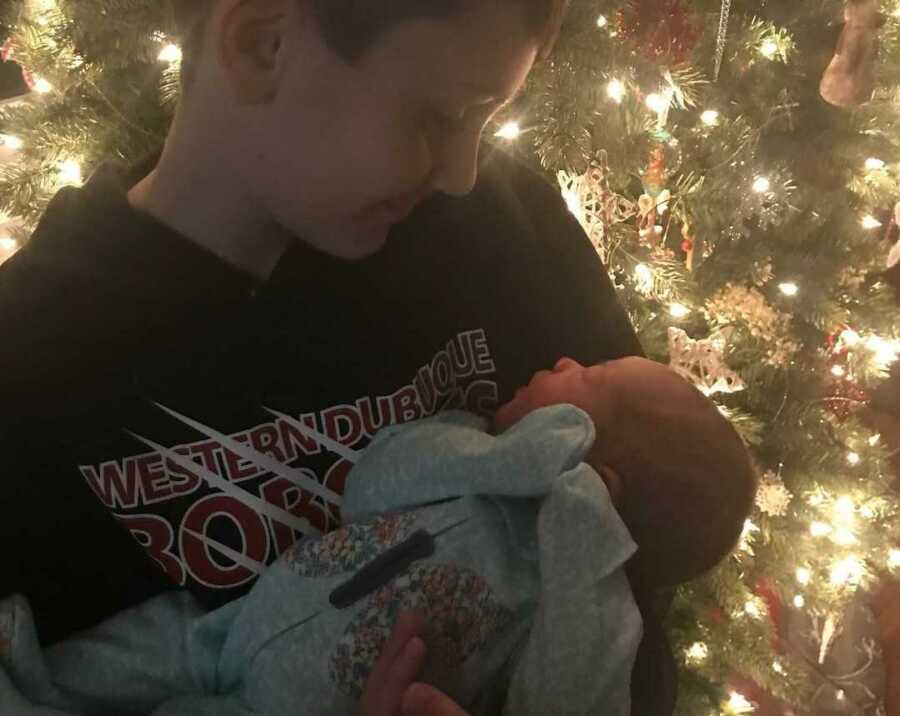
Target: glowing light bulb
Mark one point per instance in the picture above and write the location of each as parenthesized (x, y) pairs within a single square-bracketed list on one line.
[(510, 130), (844, 507), (844, 537), (761, 185), (867, 512), (768, 49), (846, 571), (841, 695), (710, 118), (803, 575), (777, 667), (42, 86), (70, 172), (616, 91), (875, 439), (838, 371), (170, 53), (819, 529), (739, 704), (11, 141), (8, 245), (752, 608), (745, 543), (657, 103), (602, 21), (789, 288), (853, 458), (679, 310), (799, 601), (884, 351), (850, 337), (894, 558), (870, 222), (643, 273), (573, 202), (873, 164), (697, 652)]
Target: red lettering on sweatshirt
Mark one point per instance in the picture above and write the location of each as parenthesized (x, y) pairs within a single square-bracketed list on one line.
[(156, 536), (154, 481), (264, 439), (219, 571), (239, 468), (406, 405), (285, 494), (343, 424), (115, 485)]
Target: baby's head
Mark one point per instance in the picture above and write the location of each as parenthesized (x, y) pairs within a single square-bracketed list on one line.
[(684, 522)]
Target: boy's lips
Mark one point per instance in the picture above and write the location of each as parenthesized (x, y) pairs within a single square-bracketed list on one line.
[(393, 211)]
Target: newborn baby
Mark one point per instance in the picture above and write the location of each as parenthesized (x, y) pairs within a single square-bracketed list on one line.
[(513, 544)]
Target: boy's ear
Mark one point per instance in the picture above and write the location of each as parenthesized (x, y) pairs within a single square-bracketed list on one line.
[(249, 39)]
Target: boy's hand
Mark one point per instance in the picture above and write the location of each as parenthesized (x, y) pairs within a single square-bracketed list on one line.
[(390, 690)]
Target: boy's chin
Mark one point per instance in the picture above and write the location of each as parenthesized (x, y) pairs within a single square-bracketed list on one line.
[(350, 243)]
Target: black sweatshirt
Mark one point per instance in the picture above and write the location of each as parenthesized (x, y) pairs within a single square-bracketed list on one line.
[(128, 354)]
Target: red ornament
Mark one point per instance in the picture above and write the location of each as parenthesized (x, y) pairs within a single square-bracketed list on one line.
[(661, 30), (766, 591), (844, 397), (6, 52)]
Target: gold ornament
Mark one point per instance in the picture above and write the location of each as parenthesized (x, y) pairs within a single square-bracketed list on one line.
[(850, 78)]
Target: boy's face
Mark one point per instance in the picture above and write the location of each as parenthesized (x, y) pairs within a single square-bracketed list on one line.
[(342, 152)]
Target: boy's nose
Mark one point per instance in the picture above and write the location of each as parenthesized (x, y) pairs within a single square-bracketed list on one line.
[(456, 168)]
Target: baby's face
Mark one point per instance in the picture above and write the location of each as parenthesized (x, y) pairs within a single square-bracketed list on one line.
[(568, 382)]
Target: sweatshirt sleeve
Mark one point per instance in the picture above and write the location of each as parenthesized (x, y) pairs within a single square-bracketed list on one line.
[(61, 548), (91, 298)]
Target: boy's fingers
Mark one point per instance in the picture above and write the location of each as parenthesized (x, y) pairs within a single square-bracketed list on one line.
[(409, 624), (402, 672), (401, 660)]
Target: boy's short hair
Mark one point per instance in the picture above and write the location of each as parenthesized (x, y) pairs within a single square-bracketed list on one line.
[(352, 27)]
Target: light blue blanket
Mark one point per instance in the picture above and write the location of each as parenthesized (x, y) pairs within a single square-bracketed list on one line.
[(519, 560)]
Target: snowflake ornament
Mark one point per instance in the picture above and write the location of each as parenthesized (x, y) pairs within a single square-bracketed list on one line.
[(592, 201), (701, 363), (772, 497)]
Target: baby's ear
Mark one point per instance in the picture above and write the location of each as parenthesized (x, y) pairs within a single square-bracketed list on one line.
[(614, 484)]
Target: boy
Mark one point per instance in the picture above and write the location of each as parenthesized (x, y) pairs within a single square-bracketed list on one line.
[(513, 545), (214, 282)]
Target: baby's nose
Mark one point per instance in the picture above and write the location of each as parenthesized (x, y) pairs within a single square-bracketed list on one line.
[(565, 364)]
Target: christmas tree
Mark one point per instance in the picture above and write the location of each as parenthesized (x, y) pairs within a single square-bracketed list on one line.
[(738, 170)]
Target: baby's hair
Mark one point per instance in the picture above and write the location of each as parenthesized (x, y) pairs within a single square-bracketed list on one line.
[(352, 27), (684, 522)]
